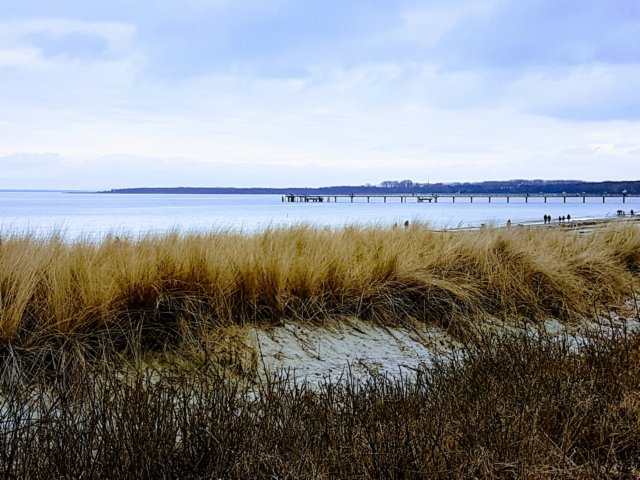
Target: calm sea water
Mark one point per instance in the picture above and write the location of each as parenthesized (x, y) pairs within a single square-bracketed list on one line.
[(94, 215)]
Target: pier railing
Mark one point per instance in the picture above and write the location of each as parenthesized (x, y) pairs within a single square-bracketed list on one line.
[(435, 197)]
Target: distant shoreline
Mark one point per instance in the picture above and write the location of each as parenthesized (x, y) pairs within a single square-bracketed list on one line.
[(569, 187)]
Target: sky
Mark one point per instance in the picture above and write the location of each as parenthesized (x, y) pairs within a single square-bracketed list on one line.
[(139, 93)]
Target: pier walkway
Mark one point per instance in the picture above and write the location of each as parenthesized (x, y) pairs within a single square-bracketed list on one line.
[(435, 197)]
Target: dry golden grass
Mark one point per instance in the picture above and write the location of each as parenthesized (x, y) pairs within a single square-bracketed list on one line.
[(177, 283), (508, 405)]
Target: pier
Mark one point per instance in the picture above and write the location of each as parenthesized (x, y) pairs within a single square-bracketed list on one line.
[(448, 197)]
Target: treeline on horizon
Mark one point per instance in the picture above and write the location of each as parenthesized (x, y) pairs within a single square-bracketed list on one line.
[(631, 187)]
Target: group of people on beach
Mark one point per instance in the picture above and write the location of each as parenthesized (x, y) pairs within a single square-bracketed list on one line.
[(547, 218), (621, 213)]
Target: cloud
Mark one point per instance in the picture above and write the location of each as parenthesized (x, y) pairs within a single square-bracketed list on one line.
[(576, 59), (31, 161), (593, 92), (425, 25), (20, 57), (344, 120), (120, 171), (64, 64), (530, 33), (59, 36), (72, 45), (433, 89)]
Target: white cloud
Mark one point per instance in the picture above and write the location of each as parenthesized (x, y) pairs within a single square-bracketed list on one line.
[(425, 26), (340, 122), (19, 57), (584, 92), (403, 94), (118, 35)]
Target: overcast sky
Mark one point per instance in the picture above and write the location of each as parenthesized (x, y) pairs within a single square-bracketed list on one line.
[(123, 93)]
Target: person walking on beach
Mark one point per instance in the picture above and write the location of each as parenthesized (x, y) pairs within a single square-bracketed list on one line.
[(568, 218)]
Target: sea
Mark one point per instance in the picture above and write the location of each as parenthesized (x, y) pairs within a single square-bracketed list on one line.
[(75, 215)]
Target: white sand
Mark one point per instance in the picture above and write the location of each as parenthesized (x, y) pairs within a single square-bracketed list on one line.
[(315, 353)]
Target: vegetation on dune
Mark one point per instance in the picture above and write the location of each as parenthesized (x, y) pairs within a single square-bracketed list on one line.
[(79, 397), (170, 286), (506, 407)]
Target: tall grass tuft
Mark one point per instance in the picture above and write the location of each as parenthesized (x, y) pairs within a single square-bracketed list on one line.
[(168, 286)]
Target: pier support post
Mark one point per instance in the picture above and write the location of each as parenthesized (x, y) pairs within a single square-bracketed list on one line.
[(471, 199), (584, 199), (489, 199), (564, 199), (508, 198), (603, 199)]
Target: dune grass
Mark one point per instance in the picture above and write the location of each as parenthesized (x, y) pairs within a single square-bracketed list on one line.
[(80, 321), (505, 407), (171, 286)]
